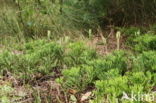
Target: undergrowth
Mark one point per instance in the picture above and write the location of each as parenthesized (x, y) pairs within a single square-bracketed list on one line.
[(43, 60)]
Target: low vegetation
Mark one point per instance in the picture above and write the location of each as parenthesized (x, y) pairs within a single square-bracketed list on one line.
[(64, 51)]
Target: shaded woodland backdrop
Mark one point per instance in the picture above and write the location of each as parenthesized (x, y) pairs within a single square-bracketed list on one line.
[(34, 17)]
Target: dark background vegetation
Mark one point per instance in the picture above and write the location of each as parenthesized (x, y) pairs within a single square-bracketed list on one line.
[(62, 17)]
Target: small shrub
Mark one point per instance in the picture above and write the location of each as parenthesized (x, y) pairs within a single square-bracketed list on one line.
[(7, 61), (112, 89), (77, 54), (145, 62), (140, 82), (145, 42), (33, 45), (110, 74), (116, 61), (78, 78)]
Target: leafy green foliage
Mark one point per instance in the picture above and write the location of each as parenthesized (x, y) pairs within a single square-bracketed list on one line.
[(140, 82), (115, 62), (145, 62), (114, 88), (78, 77), (81, 68), (78, 53), (145, 42), (112, 76), (43, 57), (37, 58)]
